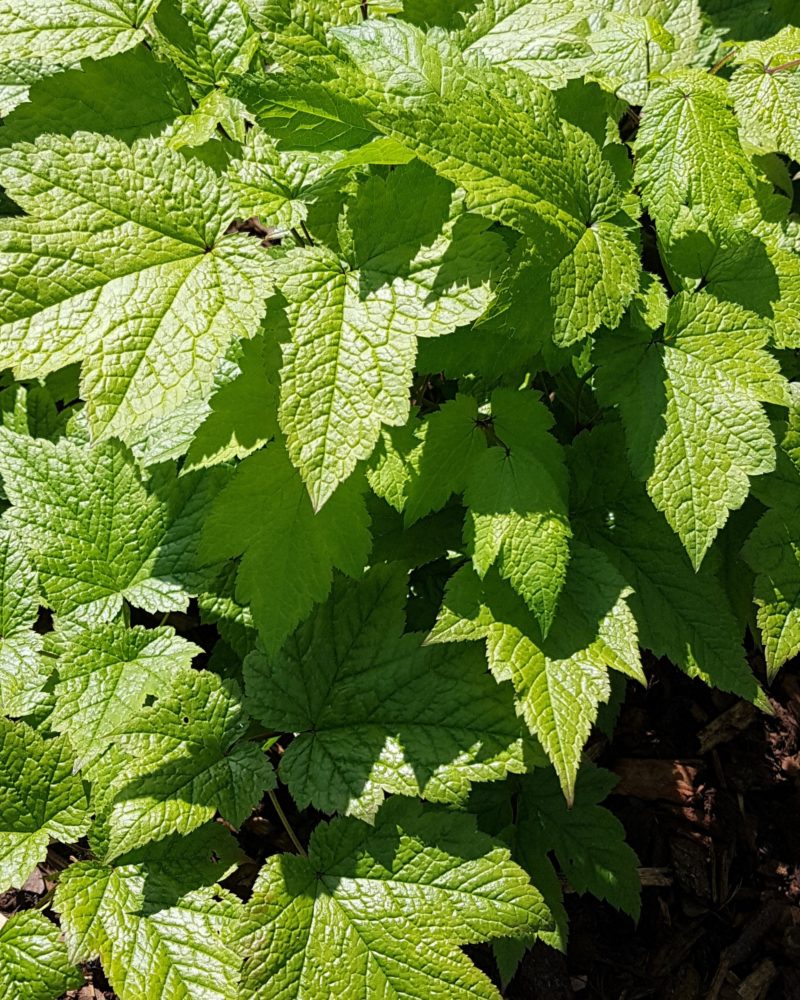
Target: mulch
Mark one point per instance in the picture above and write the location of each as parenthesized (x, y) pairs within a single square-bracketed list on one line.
[(709, 794)]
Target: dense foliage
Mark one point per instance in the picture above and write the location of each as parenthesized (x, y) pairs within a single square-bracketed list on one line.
[(438, 359)]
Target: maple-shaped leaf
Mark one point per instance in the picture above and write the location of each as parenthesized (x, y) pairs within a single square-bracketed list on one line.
[(773, 552), (21, 673), (766, 92), (288, 552), (156, 920), (418, 465), (97, 534), (379, 713), (690, 164), (682, 613), (208, 40), (63, 31), (542, 176), (691, 406), (560, 680), (33, 959), (181, 760), (587, 840), (40, 799), (122, 263), (105, 672), (379, 912), (416, 267), (620, 44), (517, 507), (278, 186)]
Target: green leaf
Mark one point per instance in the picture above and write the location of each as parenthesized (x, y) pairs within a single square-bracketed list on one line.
[(423, 93), (130, 96), (559, 681), (773, 551), (417, 268), (21, 674), (105, 673), (379, 713), (275, 185), (419, 465), (33, 959), (517, 509), (766, 96), (288, 552), (682, 613), (184, 760), (242, 412), (156, 921), (379, 912), (96, 533), (40, 800), (690, 164), (588, 841), (207, 39), (64, 31), (123, 264), (692, 412)]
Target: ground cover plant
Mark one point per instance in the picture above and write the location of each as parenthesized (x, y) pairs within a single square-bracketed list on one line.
[(381, 382)]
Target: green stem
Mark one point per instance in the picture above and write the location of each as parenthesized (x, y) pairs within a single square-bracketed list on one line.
[(286, 824)]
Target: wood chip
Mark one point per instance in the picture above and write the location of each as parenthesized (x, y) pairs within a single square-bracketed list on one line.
[(666, 780), (726, 726), (757, 984)]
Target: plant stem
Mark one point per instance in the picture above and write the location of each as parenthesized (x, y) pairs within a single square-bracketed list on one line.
[(306, 233), (300, 241), (722, 62), (286, 824), (792, 64)]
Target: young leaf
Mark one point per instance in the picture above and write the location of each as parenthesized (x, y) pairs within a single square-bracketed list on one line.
[(559, 681), (156, 920), (40, 800), (692, 411), (289, 555), (379, 912), (105, 673), (417, 268), (378, 713), (96, 533), (123, 264), (33, 959), (185, 761)]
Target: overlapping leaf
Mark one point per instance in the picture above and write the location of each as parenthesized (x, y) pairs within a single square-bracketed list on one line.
[(559, 680), (123, 264), (377, 713), (33, 960), (379, 912), (415, 267), (156, 920), (692, 411)]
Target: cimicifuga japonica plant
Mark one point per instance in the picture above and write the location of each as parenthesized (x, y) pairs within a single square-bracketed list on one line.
[(381, 383)]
